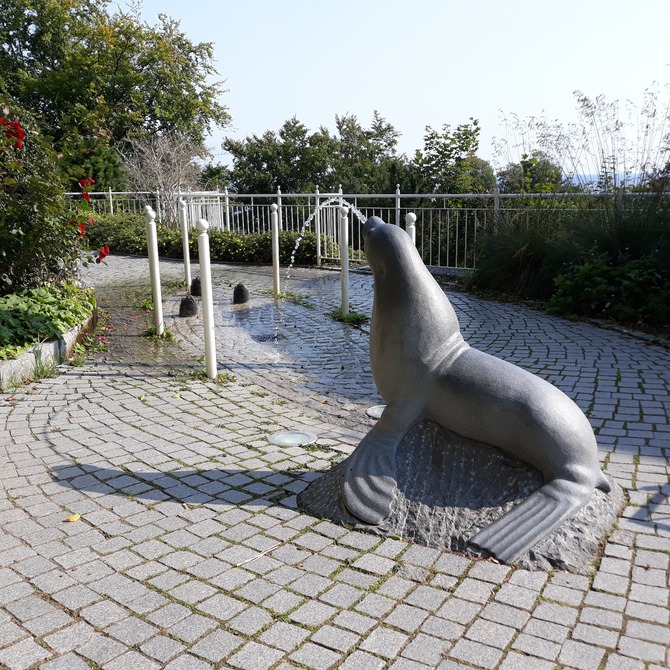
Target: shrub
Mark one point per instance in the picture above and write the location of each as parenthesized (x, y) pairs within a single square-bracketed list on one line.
[(634, 293), (126, 234), (40, 231), (522, 260)]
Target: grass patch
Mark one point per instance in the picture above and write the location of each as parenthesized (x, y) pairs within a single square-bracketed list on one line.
[(352, 318), (222, 378)]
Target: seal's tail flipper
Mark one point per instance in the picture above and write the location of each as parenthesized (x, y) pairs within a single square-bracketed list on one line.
[(514, 533)]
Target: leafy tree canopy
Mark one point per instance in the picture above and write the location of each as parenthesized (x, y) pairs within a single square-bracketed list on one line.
[(448, 162), (361, 160), (534, 173), (106, 76)]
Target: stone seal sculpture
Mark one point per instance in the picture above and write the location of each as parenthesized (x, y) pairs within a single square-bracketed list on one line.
[(240, 294), (424, 369)]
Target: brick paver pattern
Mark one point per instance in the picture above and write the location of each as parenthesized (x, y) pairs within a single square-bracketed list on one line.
[(190, 552)]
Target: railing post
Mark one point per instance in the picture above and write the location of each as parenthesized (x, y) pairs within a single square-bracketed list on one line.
[(496, 209), (280, 219), (226, 203), (207, 300), (410, 220), (154, 270), (111, 201), (183, 220), (344, 256), (317, 227), (276, 287), (397, 204), (158, 205)]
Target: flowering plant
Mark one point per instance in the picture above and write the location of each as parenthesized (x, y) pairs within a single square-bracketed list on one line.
[(40, 228)]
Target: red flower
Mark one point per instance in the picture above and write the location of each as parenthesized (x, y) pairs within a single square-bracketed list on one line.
[(14, 131), (82, 230), (102, 253), (86, 196)]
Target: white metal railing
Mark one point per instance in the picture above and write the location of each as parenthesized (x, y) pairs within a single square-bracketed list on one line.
[(446, 229)]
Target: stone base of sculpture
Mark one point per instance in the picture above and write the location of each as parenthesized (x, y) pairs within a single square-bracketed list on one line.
[(449, 488)]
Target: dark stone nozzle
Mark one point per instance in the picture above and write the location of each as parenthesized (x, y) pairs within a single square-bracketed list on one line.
[(196, 288), (240, 294), (188, 306)]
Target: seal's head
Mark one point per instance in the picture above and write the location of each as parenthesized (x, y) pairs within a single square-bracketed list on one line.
[(387, 247)]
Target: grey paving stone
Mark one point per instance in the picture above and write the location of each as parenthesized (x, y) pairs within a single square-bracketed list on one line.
[(22, 655), (162, 648), (646, 651), (67, 662), (313, 613), (384, 642), (359, 660), (285, 636), (535, 646), (476, 653), (254, 656), (516, 661), (187, 662), (132, 660), (217, 645), (427, 649), (580, 655), (315, 656), (490, 633)]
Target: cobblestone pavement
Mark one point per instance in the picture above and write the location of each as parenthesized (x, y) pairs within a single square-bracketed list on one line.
[(190, 553)]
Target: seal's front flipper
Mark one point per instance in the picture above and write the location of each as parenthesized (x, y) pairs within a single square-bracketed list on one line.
[(514, 533), (369, 479)]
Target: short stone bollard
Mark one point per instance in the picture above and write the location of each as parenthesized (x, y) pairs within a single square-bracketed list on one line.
[(188, 306), (196, 287), (240, 294)]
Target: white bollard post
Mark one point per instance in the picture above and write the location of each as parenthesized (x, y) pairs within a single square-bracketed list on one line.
[(397, 205), (344, 256), (410, 220), (207, 300), (317, 227), (183, 220), (226, 202), (154, 270), (111, 201), (276, 286)]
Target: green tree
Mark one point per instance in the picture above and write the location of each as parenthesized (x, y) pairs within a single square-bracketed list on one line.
[(534, 173), (292, 159), (448, 162), (104, 77), (361, 160)]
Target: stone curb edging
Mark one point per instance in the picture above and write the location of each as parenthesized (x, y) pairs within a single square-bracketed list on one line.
[(16, 371)]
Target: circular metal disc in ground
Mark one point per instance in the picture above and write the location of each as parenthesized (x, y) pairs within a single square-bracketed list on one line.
[(292, 438), (376, 411)]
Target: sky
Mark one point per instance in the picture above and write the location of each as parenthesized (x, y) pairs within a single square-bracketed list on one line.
[(422, 62)]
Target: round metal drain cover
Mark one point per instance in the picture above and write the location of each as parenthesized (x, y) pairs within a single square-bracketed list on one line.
[(376, 411), (292, 438)]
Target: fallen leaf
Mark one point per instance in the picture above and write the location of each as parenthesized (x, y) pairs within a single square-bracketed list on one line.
[(10, 398), (176, 395), (73, 517), (324, 402), (142, 398), (186, 506)]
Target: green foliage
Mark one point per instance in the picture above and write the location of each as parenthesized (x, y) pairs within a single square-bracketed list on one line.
[(105, 76), (361, 160), (534, 173), (634, 293), (126, 234), (448, 161), (30, 316), (522, 260), (39, 226)]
